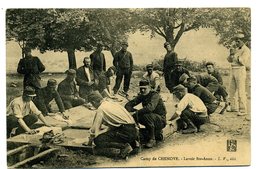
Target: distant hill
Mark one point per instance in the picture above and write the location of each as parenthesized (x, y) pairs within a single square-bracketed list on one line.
[(195, 45)]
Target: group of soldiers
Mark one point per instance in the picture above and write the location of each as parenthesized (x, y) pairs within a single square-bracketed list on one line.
[(198, 96)]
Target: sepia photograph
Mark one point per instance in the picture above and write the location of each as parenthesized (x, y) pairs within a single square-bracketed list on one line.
[(128, 87)]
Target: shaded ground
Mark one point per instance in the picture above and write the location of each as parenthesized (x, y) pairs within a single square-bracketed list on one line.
[(211, 142)]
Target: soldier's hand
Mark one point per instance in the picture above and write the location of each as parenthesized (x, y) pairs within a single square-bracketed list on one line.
[(32, 131)]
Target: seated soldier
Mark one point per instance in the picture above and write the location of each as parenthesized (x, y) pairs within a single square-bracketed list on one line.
[(121, 133), (190, 110), (153, 113), (104, 81), (22, 114), (203, 93), (176, 74), (210, 82), (86, 79), (68, 91), (46, 95), (153, 78)]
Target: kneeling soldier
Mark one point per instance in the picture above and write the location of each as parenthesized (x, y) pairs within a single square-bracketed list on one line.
[(190, 110), (153, 113)]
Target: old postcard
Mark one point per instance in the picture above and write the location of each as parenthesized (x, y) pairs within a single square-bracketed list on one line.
[(128, 87)]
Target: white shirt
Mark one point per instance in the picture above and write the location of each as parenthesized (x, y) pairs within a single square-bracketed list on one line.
[(110, 114), (193, 103), (153, 79), (241, 57), (87, 73), (20, 108)]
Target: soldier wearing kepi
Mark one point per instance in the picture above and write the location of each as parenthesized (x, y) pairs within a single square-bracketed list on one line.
[(123, 61), (46, 95), (22, 113), (190, 109), (170, 59), (153, 113), (68, 91), (98, 61), (31, 67), (152, 77), (239, 59)]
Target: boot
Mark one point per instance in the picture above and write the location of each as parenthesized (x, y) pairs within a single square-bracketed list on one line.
[(125, 152), (191, 128), (108, 152), (150, 143)]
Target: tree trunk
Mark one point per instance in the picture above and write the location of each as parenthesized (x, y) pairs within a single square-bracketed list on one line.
[(72, 59)]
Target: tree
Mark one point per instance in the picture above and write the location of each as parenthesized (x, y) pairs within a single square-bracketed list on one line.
[(25, 26), (229, 21), (172, 23), (112, 26)]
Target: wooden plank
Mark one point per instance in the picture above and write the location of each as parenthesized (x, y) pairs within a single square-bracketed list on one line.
[(16, 150), (40, 155)]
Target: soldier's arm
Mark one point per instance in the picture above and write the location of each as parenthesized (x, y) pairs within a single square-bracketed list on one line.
[(150, 107), (131, 104)]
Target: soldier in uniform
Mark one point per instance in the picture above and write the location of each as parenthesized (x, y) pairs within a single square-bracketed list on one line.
[(152, 77), (153, 113), (31, 67), (68, 91), (123, 61), (98, 61), (170, 59), (46, 95)]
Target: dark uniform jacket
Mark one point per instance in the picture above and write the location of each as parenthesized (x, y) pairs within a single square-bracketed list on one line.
[(67, 90), (44, 97), (103, 81), (152, 103), (205, 80), (83, 81), (204, 94), (175, 76), (123, 60), (31, 67), (217, 75), (170, 59), (98, 62)]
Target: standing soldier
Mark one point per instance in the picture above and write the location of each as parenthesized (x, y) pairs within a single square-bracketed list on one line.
[(98, 62), (239, 59), (31, 67), (170, 60), (123, 61)]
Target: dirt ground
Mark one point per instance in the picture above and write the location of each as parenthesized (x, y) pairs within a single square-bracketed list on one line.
[(208, 147)]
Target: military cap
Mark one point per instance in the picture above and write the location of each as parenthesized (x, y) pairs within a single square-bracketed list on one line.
[(51, 83), (192, 78), (124, 43), (183, 77), (209, 63), (178, 88), (149, 66), (112, 68), (29, 91), (70, 72), (166, 43), (143, 83)]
